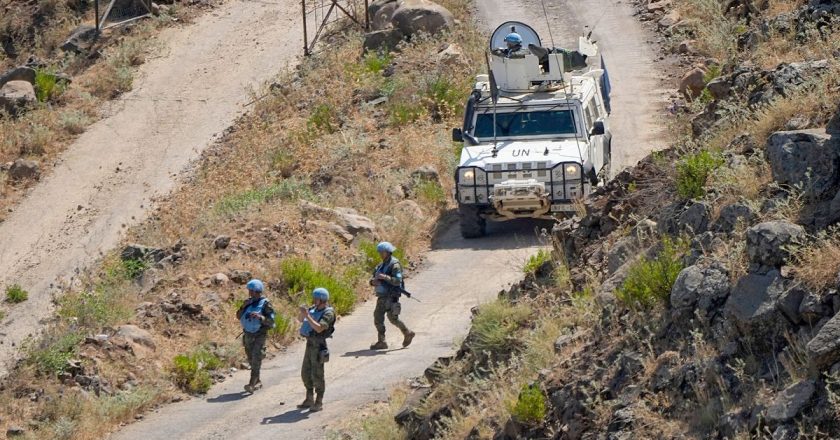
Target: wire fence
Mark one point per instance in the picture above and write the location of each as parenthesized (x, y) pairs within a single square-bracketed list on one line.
[(319, 16), (110, 13)]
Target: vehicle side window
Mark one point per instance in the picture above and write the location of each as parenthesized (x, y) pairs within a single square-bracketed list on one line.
[(587, 118), (593, 109)]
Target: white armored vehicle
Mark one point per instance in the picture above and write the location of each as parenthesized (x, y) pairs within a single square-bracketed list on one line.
[(535, 133)]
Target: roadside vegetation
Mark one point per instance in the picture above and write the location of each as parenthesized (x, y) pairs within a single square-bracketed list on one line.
[(312, 153)]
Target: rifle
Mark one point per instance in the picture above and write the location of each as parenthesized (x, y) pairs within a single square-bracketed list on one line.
[(401, 290)]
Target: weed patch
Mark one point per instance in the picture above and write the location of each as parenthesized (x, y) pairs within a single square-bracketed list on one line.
[(430, 192), (191, 372), (536, 261), (289, 189), (530, 406), (649, 281), (302, 277), (47, 85), (693, 171), (51, 354), (15, 294), (494, 327)]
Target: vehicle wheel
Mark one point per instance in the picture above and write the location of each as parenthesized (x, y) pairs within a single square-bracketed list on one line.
[(472, 225)]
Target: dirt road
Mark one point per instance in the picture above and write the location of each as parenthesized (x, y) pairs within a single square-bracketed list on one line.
[(457, 276), (108, 178)]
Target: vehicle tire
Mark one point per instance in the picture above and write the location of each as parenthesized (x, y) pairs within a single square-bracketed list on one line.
[(472, 225)]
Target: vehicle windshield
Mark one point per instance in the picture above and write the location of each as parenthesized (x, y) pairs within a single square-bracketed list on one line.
[(533, 123)]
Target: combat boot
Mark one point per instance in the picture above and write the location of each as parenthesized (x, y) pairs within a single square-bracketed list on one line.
[(407, 338), (379, 345), (318, 405), (253, 385), (308, 402)]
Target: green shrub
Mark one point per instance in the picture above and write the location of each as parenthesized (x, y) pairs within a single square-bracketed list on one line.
[(375, 62), (288, 189), (133, 268), (47, 85), (15, 294), (430, 192), (649, 281), (74, 121), (371, 256), (191, 372), (536, 261), (494, 325), (530, 406), (692, 172), (301, 277), (322, 120), (402, 113), (444, 97), (53, 351), (103, 306)]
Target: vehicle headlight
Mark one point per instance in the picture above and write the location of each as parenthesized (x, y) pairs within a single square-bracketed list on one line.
[(572, 170), (466, 176)]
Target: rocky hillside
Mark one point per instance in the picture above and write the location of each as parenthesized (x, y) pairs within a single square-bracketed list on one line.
[(698, 296), (348, 148)]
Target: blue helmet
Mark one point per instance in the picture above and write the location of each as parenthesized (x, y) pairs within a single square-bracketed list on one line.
[(386, 247), (321, 293), (514, 38), (255, 285)]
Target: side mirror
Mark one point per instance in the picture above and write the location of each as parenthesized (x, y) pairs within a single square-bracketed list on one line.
[(597, 129), (457, 135)]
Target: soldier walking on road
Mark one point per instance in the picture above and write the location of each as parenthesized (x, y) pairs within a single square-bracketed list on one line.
[(387, 281), (256, 317), (317, 324)]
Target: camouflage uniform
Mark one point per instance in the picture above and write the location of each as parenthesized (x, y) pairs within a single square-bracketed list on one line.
[(387, 301), (312, 370), (254, 343)]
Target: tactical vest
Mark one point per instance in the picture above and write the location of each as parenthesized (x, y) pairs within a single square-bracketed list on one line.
[(382, 288), (252, 325), (306, 329)]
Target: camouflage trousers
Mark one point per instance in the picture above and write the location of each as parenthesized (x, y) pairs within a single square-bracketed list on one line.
[(386, 306), (254, 344), (312, 370)]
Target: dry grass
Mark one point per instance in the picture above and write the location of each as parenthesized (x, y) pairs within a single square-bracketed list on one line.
[(310, 137), (374, 421), (818, 264), (712, 28)]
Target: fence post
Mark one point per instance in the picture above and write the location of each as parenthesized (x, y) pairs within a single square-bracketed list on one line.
[(367, 17), (96, 13), (305, 37)]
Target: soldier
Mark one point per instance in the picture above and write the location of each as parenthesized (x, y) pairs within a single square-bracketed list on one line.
[(318, 324), (514, 49), (387, 281), (256, 317)]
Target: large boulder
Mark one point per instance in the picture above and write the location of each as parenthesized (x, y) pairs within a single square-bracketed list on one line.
[(824, 348), (700, 288), (23, 169), (833, 126), (80, 39), (16, 96), (692, 83), (422, 16), (136, 335), (382, 40), (767, 243), (808, 158), (696, 217), (788, 403), (22, 73), (381, 13), (731, 215), (753, 303)]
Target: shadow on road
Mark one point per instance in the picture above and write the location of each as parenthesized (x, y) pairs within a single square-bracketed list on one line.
[(369, 353), (230, 397), (291, 416), (509, 235)]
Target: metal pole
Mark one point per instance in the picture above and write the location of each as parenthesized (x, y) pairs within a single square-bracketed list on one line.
[(367, 17), (96, 12), (305, 38)]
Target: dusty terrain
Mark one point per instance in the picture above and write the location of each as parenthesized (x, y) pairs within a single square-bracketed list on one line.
[(356, 376), (110, 176)]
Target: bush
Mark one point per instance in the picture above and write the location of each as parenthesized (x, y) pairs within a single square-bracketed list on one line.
[(371, 256), (53, 351), (289, 189), (375, 62), (133, 268), (47, 85), (494, 325), (191, 372), (430, 192), (301, 277), (444, 97), (402, 114), (322, 120), (693, 171), (74, 121), (649, 281), (103, 306), (536, 261), (15, 294), (530, 406)]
